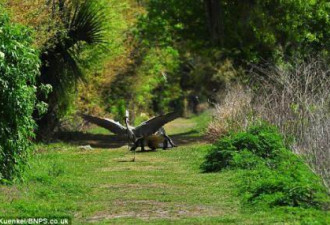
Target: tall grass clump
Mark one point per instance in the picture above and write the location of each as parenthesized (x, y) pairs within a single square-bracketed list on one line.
[(232, 113), (19, 66), (270, 174)]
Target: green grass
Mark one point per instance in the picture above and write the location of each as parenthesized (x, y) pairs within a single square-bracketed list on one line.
[(103, 186), (195, 125)]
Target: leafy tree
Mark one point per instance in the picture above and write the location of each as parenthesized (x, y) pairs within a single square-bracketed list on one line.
[(209, 32), (148, 86), (35, 14), (19, 66), (247, 31)]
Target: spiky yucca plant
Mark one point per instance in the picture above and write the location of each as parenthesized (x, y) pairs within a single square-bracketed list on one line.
[(85, 26)]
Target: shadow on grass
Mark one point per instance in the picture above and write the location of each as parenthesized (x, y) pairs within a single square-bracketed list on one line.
[(114, 141)]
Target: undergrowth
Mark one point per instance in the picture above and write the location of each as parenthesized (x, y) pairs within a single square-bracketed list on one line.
[(270, 174)]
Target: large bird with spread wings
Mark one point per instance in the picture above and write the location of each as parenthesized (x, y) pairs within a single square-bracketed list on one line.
[(150, 132)]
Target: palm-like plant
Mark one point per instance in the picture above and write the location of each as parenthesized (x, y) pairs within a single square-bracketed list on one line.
[(84, 26)]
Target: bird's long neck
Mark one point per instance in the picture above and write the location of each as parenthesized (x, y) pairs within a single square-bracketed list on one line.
[(126, 122), (129, 131)]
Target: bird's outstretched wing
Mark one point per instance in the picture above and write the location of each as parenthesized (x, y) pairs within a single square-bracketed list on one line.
[(113, 126), (151, 126)]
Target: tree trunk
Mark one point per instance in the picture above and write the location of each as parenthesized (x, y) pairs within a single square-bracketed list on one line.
[(214, 15)]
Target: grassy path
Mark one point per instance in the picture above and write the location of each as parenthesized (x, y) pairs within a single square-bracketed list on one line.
[(103, 186)]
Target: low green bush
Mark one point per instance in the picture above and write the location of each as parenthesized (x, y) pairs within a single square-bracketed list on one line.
[(284, 181), (261, 140), (270, 174)]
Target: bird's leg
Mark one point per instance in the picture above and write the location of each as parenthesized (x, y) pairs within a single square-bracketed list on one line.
[(135, 145), (169, 140), (142, 144)]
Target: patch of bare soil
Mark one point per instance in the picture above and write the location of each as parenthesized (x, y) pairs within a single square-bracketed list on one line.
[(136, 186), (151, 209), (132, 168), (11, 193)]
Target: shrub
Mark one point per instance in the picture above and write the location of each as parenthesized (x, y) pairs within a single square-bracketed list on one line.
[(19, 65), (285, 181), (262, 140), (269, 173)]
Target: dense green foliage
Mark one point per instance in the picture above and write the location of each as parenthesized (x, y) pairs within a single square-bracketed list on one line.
[(247, 31), (205, 34), (270, 173), (19, 66), (284, 181), (151, 87)]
